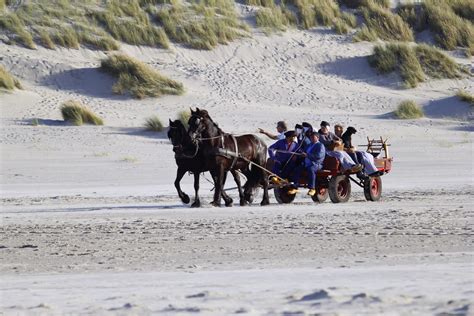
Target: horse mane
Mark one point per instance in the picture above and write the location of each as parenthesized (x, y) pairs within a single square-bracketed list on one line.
[(205, 115)]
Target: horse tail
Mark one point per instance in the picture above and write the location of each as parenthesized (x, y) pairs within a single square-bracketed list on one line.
[(256, 175)]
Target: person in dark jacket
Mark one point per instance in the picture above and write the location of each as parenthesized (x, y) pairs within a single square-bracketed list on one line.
[(314, 158), (281, 153)]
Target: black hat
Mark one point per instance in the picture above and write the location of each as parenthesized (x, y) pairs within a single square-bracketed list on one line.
[(290, 134), (298, 126), (324, 123), (314, 134), (306, 124)]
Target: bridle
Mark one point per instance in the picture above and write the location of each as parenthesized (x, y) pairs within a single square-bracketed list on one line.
[(180, 147)]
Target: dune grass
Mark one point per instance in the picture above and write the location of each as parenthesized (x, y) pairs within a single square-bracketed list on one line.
[(383, 24), (272, 19), (414, 63), (261, 3), (184, 116), (409, 110), (450, 29), (17, 30), (465, 96), (138, 78), (8, 81), (202, 25), (74, 112), (153, 124), (341, 27)]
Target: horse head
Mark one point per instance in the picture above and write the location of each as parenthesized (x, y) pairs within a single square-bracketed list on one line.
[(198, 122), (177, 134)]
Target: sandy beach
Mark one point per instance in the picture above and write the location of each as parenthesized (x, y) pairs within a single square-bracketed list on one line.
[(91, 222)]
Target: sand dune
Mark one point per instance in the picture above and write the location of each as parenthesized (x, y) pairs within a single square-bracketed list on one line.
[(91, 222)]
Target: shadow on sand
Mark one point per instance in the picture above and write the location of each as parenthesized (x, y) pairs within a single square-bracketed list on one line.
[(86, 81), (140, 131), (358, 69), (449, 108)]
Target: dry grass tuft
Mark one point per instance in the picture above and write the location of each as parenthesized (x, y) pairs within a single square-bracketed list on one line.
[(138, 78), (465, 96), (7, 81), (153, 124), (272, 19), (384, 24), (202, 25), (76, 113), (450, 29), (414, 63), (184, 116), (409, 110)]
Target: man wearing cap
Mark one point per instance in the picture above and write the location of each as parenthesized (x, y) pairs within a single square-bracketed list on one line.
[(281, 129), (282, 154), (314, 158), (328, 138)]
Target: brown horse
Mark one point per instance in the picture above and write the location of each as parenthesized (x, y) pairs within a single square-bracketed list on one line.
[(224, 152)]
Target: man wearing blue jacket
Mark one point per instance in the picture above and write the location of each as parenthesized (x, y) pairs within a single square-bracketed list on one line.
[(314, 158), (281, 153)]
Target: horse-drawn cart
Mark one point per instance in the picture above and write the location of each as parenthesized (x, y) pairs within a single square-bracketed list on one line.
[(332, 181)]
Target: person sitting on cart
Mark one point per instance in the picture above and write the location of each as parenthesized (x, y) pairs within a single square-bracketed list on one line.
[(281, 129), (329, 140), (365, 158), (314, 158), (306, 135), (283, 155)]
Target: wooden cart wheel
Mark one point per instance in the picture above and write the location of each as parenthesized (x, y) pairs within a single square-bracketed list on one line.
[(339, 189), (321, 195), (282, 196), (373, 188)]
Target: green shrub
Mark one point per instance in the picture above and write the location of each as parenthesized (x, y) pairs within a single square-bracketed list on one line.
[(465, 96), (7, 81), (450, 30), (138, 78), (385, 24), (408, 110), (154, 124), (77, 114), (184, 116)]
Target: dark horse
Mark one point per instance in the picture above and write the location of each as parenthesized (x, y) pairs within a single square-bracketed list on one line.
[(189, 157), (221, 155)]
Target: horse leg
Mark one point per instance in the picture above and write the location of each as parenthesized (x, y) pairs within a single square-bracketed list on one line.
[(236, 176), (197, 202), (264, 180), (219, 183), (227, 199), (179, 175)]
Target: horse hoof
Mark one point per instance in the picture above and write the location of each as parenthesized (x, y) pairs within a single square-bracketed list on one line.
[(215, 204), (185, 199), (229, 202), (196, 204), (243, 203), (264, 202)]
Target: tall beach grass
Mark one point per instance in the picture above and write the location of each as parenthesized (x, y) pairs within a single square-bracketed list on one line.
[(138, 78)]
